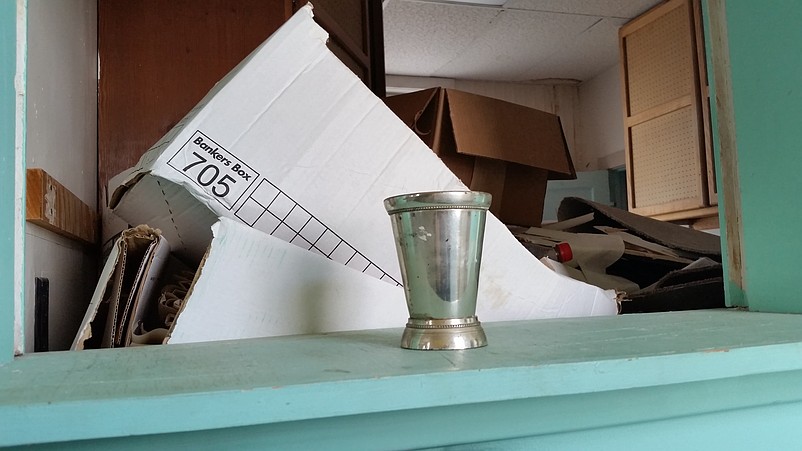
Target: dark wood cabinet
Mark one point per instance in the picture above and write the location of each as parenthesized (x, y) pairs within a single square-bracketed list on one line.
[(356, 36)]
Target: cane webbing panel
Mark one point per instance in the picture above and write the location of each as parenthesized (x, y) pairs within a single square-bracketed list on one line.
[(666, 166), (659, 61)]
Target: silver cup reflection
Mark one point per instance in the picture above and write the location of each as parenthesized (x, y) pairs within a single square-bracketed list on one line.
[(438, 236)]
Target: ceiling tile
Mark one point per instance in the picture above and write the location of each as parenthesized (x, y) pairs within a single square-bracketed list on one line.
[(420, 38), (524, 40), (585, 56), (627, 9), (516, 41)]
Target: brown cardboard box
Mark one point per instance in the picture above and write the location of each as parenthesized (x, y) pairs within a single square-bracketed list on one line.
[(505, 149)]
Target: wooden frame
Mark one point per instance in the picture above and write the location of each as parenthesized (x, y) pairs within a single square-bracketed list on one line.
[(728, 153), (661, 107), (704, 93), (50, 205)]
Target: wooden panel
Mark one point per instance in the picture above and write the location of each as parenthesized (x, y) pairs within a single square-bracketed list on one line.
[(158, 59), (666, 166), (659, 61), (52, 206)]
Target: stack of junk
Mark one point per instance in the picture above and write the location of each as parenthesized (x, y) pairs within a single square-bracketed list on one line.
[(656, 266), (245, 221)]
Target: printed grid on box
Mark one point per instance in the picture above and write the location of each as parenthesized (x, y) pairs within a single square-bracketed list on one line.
[(270, 210)]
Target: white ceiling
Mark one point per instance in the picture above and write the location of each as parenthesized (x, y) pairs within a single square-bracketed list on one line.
[(522, 40)]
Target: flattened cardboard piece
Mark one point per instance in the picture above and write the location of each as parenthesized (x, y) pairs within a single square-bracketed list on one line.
[(147, 274), (93, 326), (638, 243), (665, 233), (697, 295), (692, 288), (281, 290), (128, 280), (152, 315), (293, 144)]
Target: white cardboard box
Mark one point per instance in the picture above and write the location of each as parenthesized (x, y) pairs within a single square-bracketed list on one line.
[(282, 290), (292, 143)]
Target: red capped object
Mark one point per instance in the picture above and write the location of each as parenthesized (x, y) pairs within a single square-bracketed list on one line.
[(564, 252)]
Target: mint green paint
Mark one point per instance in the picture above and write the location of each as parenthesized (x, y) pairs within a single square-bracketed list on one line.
[(359, 389), (733, 294), (765, 40), (671, 417), (715, 431), (8, 44)]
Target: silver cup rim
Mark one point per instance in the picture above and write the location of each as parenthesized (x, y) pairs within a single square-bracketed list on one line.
[(436, 200)]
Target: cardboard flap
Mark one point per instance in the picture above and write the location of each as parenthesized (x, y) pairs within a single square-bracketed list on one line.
[(144, 293), (671, 235), (141, 255), (120, 184), (90, 333), (128, 279), (411, 107), (282, 290), (493, 128)]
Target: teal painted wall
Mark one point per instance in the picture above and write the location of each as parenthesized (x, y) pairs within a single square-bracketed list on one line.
[(734, 295), (765, 42), (8, 43)]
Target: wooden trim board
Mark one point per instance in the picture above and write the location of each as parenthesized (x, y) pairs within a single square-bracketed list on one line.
[(659, 110), (704, 90), (52, 206), (688, 214)]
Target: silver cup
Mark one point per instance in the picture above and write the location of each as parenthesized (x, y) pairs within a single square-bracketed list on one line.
[(438, 236)]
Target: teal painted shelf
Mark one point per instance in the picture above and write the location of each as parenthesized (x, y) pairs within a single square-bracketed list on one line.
[(354, 378)]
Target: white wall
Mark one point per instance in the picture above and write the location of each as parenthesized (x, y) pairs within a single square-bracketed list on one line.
[(600, 132), (62, 140)]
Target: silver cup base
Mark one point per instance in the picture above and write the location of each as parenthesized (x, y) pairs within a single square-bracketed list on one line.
[(443, 334)]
